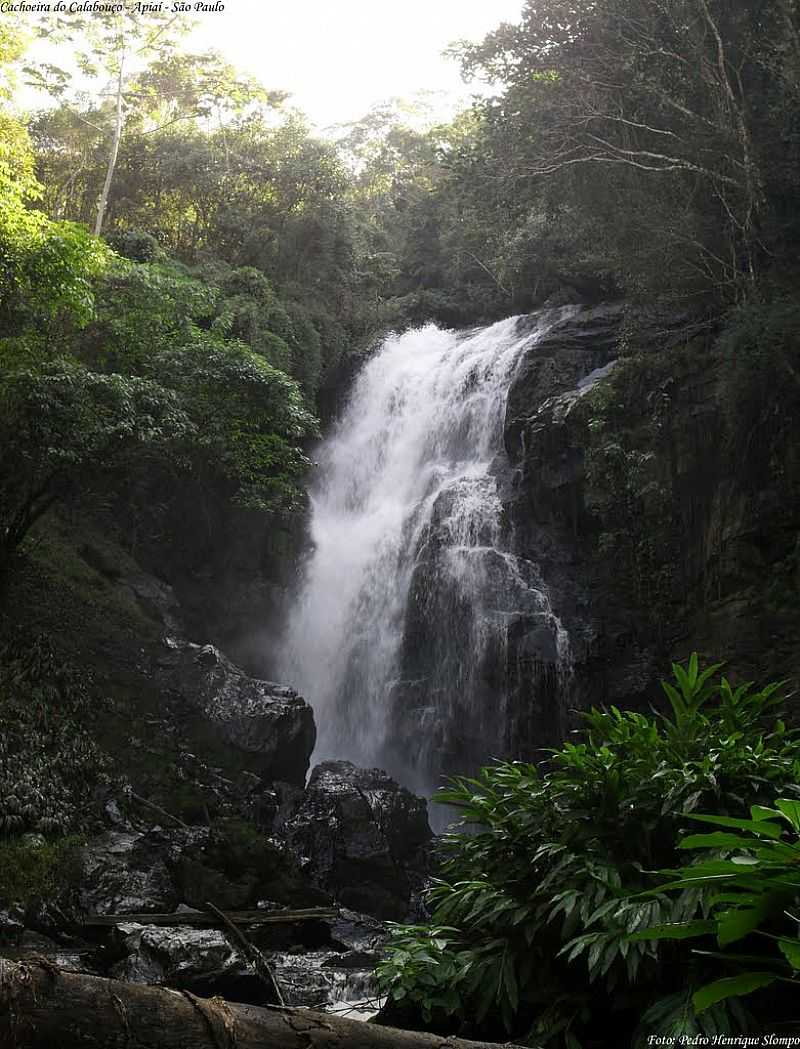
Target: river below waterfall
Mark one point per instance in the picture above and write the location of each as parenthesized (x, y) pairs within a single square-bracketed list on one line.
[(415, 621)]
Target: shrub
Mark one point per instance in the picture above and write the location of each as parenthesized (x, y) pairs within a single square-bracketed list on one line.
[(37, 870), (532, 913), (136, 245), (49, 762)]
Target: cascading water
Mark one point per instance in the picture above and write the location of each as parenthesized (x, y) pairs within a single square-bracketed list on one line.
[(419, 638)]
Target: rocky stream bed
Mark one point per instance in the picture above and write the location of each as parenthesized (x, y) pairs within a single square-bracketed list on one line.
[(308, 872)]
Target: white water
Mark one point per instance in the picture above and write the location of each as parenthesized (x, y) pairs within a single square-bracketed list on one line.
[(409, 477)]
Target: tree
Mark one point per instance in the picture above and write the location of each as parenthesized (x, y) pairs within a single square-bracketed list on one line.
[(131, 59), (12, 47), (45, 267), (63, 427), (657, 95)]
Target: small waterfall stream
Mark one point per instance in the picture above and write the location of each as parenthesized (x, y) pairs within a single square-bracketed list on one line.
[(415, 622)]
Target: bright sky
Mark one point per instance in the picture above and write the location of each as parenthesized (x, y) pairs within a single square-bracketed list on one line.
[(338, 57)]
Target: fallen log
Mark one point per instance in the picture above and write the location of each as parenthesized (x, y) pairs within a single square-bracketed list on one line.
[(200, 918), (42, 1007)]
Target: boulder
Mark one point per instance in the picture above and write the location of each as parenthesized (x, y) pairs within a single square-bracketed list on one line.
[(234, 865), (360, 836), (268, 724), (357, 933), (124, 872), (179, 956)]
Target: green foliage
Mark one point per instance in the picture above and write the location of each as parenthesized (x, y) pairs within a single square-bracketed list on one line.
[(621, 137), (261, 193), (250, 417), (31, 871), (45, 267), (604, 160), (63, 426), (49, 762), (760, 349), (187, 333), (167, 397), (750, 875), (539, 903), (136, 245)]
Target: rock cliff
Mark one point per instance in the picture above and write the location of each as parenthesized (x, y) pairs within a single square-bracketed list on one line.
[(662, 520)]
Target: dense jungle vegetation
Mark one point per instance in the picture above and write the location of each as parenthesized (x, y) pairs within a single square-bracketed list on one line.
[(640, 150), (187, 274)]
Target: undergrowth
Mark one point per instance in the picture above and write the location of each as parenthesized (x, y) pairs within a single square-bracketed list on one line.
[(532, 916)]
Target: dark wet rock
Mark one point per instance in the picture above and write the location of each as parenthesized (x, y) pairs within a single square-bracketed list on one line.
[(234, 865), (553, 524), (124, 872), (360, 836), (155, 598), (11, 926), (321, 980), (114, 816), (461, 652), (679, 549), (179, 956), (76, 956), (268, 724), (357, 932), (257, 800), (237, 867), (352, 960), (579, 341), (320, 973)]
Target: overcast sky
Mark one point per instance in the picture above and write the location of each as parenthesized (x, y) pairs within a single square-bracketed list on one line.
[(338, 57)]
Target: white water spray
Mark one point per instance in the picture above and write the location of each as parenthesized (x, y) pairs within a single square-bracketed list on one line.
[(407, 516)]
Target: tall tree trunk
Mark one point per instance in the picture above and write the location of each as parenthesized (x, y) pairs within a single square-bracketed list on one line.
[(754, 183), (42, 1007), (119, 121)]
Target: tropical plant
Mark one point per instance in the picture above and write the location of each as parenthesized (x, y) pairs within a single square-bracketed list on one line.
[(536, 900), (750, 876)]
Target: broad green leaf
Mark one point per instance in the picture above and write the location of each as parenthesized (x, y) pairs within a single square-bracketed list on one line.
[(737, 923), (674, 931), (770, 830), (791, 951), (791, 810), (759, 812), (717, 840), (693, 669), (730, 987)]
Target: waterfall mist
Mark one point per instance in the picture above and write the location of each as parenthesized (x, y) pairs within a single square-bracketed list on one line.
[(415, 622)]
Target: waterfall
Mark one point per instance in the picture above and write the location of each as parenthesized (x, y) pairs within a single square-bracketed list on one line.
[(419, 637)]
